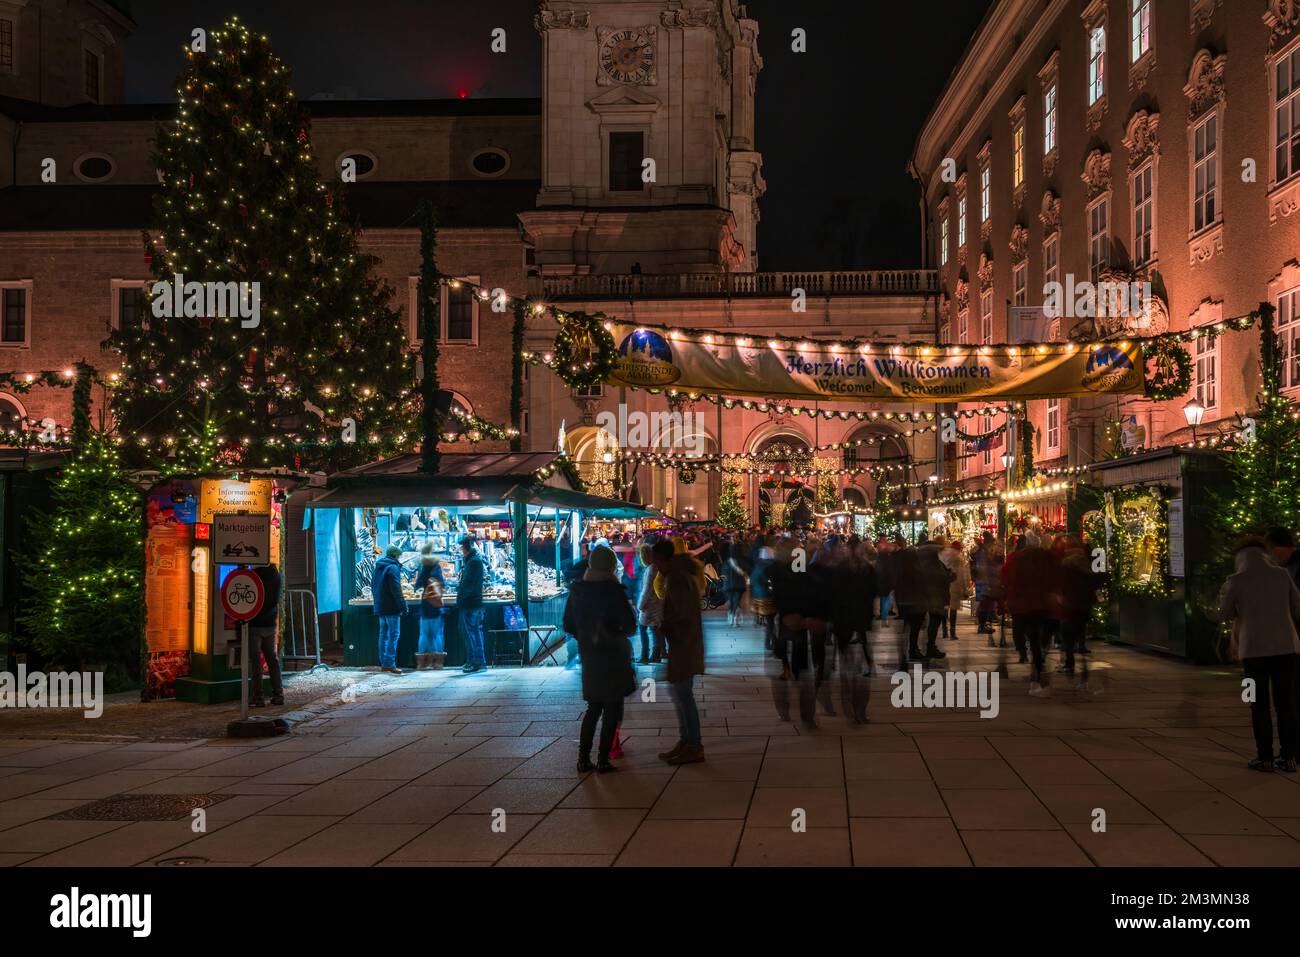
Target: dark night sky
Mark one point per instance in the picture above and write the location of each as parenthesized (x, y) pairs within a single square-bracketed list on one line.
[(836, 125)]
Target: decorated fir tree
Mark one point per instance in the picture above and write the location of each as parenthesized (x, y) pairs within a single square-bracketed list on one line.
[(731, 512), (323, 357), (83, 594)]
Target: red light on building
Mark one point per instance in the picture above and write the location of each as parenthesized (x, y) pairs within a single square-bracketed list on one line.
[(202, 532), (463, 93)]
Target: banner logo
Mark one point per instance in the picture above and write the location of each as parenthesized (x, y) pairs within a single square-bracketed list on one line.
[(645, 358), (1107, 370)]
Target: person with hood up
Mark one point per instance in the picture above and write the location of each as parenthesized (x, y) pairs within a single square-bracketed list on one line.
[(680, 575), (1262, 602), (599, 615), (390, 606)]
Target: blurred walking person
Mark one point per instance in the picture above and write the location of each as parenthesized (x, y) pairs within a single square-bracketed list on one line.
[(1030, 578), (854, 591), (683, 630), (956, 563)]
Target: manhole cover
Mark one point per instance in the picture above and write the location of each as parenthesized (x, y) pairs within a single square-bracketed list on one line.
[(140, 807)]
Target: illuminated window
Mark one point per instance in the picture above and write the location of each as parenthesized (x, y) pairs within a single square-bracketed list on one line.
[(943, 241), (458, 312), (963, 326), (961, 221), (1051, 261), (1018, 155), (1096, 65), (1054, 424), (1141, 29), (985, 198), (986, 428), (1207, 371), (1205, 173), (1098, 238), (986, 316), (1288, 333), (1049, 119), (1019, 284), (1144, 209), (1286, 115)]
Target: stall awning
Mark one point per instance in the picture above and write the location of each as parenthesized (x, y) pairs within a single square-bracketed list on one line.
[(597, 505), (463, 478)]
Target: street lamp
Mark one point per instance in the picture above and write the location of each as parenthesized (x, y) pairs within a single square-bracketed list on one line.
[(1194, 412)]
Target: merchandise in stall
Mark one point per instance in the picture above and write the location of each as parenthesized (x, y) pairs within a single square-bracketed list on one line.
[(967, 520), (506, 502), (1042, 506)]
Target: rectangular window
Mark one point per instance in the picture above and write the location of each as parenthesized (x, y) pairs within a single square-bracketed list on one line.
[(6, 45), (1205, 173), (131, 305), (626, 152), (1288, 333), (1051, 263), (1141, 29), (590, 391), (1096, 65), (986, 316), (92, 75), (1286, 113), (13, 328), (985, 199), (943, 241), (961, 221), (1144, 206), (523, 422), (1049, 119), (986, 428), (1207, 371), (963, 326), (1019, 284), (461, 307), (1098, 238), (1054, 424), (1018, 156)]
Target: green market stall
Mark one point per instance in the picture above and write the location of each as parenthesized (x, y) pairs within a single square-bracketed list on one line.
[(501, 499)]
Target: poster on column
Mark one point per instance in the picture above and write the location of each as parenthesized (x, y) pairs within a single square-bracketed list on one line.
[(658, 357)]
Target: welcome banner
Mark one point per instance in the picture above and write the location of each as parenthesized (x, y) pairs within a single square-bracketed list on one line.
[(698, 362)]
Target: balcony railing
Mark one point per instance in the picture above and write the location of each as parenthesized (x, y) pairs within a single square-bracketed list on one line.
[(868, 282)]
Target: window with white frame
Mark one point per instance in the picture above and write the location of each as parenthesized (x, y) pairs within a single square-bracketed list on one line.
[(1019, 284), (986, 428), (1051, 262), (1049, 119), (1096, 64), (1205, 173), (963, 326), (961, 221), (963, 461), (1144, 210), (986, 316), (1286, 115), (1018, 155), (943, 241), (458, 311), (1207, 371), (1140, 31), (15, 313), (1054, 425), (7, 31), (130, 305), (945, 334), (985, 197), (1098, 237), (1288, 333)]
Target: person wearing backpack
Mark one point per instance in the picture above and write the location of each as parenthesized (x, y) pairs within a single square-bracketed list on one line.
[(431, 653)]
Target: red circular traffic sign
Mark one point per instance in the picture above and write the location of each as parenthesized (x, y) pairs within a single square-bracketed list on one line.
[(242, 595)]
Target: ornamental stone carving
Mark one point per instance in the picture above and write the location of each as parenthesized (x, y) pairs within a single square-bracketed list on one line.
[(1205, 83), (1142, 139), (1206, 245), (962, 295), (985, 270), (689, 17), (1049, 213), (960, 185), (548, 19), (1284, 201), (1203, 13), (1281, 17), (1096, 173), (1139, 71), (1019, 244)]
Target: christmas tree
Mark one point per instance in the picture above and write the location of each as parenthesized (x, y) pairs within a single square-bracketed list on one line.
[(1265, 468), (84, 595), (731, 512), (280, 333)]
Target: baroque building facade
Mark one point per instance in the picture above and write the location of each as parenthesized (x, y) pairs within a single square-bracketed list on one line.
[(1128, 141), (631, 187)]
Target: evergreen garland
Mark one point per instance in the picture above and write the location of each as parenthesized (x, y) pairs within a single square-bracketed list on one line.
[(585, 353), (517, 376)]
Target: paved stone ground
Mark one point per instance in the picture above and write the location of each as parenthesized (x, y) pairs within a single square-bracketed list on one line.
[(412, 772)]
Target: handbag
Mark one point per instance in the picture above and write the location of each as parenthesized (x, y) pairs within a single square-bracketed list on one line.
[(432, 593)]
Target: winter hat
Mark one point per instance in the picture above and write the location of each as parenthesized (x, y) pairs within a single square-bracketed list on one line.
[(600, 565), (394, 551)]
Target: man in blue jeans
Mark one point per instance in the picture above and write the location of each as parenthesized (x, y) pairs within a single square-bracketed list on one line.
[(469, 599), (390, 605)]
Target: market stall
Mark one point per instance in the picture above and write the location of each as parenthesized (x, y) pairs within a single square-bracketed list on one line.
[(967, 519), (1149, 511), (507, 502)]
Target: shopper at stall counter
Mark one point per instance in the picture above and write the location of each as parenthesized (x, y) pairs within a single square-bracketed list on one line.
[(680, 574), (261, 631), (430, 585), (390, 606), (469, 599), (599, 614)]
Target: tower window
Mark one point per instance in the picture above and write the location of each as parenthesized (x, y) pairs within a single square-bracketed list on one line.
[(626, 152), (92, 69), (6, 45)]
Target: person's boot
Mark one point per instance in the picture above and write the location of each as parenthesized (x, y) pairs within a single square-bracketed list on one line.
[(991, 642), (584, 763), (689, 754), (277, 698), (439, 659), (603, 765), (934, 652), (673, 752), (421, 662), (617, 750)]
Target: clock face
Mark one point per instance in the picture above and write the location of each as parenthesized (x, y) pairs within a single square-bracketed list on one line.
[(628, 56)]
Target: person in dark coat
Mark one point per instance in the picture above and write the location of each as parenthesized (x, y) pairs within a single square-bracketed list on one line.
[(922, 591), (390, 606), (430, 585), (854, 591), (678, 586), (469, 600), (1030, 576), (1079, 584), (599, 615), (261, 634)]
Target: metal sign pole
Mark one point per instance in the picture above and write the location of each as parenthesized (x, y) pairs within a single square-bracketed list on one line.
[(243, 670)]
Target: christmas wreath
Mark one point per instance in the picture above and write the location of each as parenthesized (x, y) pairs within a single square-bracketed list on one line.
[(584, 350), (1168, 371), (686, 476)]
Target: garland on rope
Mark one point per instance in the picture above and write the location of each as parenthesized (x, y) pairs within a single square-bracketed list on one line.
[(479, 430)]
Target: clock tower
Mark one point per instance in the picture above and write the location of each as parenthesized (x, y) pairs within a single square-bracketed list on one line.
[(648, 156)]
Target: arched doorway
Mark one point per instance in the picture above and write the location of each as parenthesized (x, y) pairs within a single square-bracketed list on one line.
[(595, 451), (784, 500), (883, 446)]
